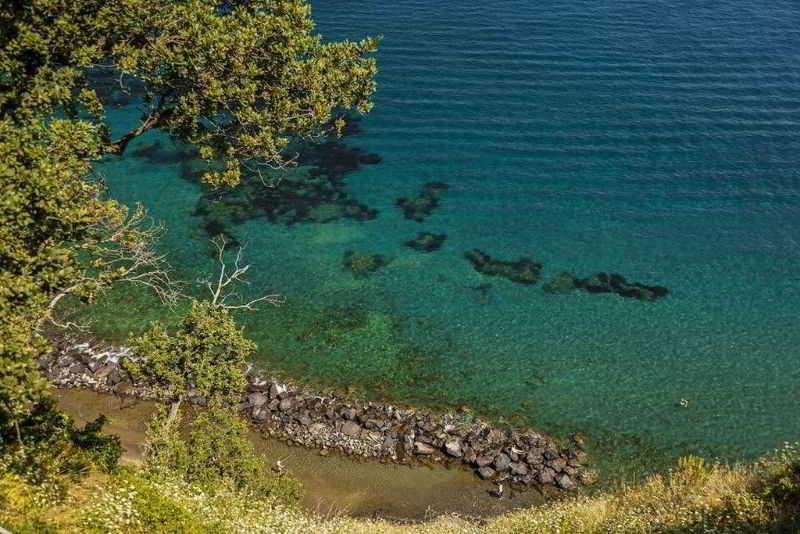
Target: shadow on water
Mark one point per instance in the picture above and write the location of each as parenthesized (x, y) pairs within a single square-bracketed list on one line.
[(313, 191)]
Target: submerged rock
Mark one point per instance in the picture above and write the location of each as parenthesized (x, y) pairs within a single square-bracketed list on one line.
[(418, 208), (523, 271), (561, 283), (604, 283), (362, 265), (616, 283), (427, 242)]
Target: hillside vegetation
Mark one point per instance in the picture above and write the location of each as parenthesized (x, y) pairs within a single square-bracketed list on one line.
[(693, 497)]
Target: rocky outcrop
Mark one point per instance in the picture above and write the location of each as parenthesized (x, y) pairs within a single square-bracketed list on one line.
[(362, 265), (605, 283), (427, 242), (523, 271), (616, 283), (418, 208), (355, 427)]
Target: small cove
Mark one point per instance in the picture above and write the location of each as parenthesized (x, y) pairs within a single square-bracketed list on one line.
[(656, 141), (334, 483)]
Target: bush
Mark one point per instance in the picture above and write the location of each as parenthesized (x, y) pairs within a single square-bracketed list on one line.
[(217, 451)]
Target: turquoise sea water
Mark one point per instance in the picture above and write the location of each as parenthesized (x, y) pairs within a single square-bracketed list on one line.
[(659, 140)]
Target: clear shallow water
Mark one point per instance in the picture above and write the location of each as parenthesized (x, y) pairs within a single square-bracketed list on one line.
[(657, 140)]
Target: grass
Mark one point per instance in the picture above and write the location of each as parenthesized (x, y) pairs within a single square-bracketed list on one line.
[(692, 497)]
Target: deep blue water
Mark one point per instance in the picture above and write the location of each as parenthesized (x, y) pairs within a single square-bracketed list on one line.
[(658, 140)]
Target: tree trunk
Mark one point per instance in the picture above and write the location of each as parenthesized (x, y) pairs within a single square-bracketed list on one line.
[(19, 436), (174, 409), (153, 120)]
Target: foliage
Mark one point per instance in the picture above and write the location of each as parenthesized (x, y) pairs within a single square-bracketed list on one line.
[(207, 355), (45, 204), (165, 450), (725, 499), (221, 450), (55, 452), (58, 236), (134, 505), (238, 78), (104, 451)]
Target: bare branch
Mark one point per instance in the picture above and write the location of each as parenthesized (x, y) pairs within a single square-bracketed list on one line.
[(122, 251), (231, 274)]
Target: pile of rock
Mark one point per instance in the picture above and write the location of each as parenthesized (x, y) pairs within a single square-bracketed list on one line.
[(366, 429), (420, 207)]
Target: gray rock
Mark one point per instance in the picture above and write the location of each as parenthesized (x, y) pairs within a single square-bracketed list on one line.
[(77, 369), (423, 448), (483, 461), (286, 405), (502, 462), (260, 414), (547, 476), (557, 464), (565, 482), (534, 457), (469, 455), (518, 468), (257, 399), (453, 448), (351, 428), (349, 414), (486, 472), (275, 390), (389, 444), (550, 454), (304, 420), (116, 376)]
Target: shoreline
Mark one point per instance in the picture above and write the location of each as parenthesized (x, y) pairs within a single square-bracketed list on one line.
[(300, 416), (334, 483)]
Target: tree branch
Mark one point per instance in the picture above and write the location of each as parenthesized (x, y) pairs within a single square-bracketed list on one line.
[(154, 119), (219, 289)]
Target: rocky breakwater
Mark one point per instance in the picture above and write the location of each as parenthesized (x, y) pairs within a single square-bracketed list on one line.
[(354, 427)]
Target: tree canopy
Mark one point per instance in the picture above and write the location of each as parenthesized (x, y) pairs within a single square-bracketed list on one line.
[(239, 79)]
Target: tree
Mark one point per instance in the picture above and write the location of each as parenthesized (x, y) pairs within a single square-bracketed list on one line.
[(240, 79), (207, 356), (58, 236)]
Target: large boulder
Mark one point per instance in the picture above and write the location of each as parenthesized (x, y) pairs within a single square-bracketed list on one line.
[(501, 462), (257, 399), (423, 448), (453, 448)]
